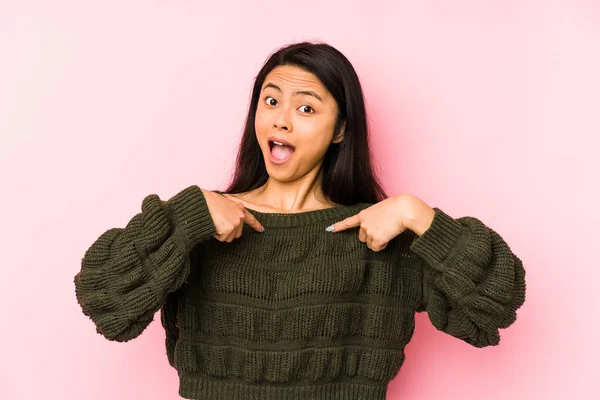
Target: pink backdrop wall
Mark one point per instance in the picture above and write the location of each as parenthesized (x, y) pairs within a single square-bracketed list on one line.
[(483, 108)]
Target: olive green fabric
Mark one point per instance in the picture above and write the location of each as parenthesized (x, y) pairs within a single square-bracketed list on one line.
[(294, 312)]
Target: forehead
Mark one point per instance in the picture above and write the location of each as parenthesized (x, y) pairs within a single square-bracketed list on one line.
[(294, 77)]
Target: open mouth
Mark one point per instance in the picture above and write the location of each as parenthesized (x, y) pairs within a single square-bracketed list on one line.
[(280, 151)]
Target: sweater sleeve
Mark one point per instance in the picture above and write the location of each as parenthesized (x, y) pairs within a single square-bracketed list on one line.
[(472, 282), (127, 273)]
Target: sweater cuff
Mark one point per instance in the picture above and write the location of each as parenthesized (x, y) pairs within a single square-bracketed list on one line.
[(443, 239), (192, 215)]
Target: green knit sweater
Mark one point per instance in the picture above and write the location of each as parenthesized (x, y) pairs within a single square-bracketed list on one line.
[(294, 312)]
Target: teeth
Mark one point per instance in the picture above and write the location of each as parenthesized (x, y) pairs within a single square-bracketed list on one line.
[(279, 144)]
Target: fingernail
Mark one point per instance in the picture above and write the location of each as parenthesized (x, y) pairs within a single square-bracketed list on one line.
[(329, 228), (263, 228)]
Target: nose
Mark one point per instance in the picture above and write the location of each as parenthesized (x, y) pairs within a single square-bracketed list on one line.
[(282, 122)]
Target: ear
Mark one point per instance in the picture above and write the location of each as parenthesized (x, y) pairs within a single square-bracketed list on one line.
[(340, 135)]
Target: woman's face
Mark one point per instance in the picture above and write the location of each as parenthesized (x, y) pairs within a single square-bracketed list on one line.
[(296, 110)]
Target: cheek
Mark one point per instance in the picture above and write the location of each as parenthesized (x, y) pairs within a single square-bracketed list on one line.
[(319, 135), (261, 127), (315, 146), (259, 122)]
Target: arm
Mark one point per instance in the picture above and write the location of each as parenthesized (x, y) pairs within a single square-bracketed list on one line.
[(472, 283), (168, 319), (127, 273)]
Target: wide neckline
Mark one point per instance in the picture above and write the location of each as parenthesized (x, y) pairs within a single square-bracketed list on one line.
[(325, 215)]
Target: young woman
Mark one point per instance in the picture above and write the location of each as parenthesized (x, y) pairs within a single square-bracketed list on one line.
[(302, 279)]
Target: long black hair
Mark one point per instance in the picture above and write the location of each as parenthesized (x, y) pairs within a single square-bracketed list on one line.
[(347, 173)]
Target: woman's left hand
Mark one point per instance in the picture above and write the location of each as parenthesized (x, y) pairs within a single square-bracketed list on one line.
[(385, 220)]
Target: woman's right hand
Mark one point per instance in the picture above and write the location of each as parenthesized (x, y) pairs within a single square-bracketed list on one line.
[(229, 216)]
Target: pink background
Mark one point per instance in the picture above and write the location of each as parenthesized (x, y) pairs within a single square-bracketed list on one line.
[(482, 108)]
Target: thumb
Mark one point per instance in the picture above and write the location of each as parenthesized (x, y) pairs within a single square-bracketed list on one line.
[(230, 197), (350, 222)]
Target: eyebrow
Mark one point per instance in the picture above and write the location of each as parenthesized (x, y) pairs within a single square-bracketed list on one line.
[(305, 92)]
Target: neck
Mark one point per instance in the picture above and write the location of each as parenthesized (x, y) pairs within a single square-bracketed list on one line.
[(304, 194)]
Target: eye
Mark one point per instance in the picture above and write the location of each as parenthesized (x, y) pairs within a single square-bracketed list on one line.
[(271, 101), (310, 108)]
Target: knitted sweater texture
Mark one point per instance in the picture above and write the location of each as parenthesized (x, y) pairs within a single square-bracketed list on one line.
[(294, 312)]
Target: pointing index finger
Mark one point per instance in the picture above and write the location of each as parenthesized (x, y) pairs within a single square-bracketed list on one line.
[(350, 222), (252, 221)]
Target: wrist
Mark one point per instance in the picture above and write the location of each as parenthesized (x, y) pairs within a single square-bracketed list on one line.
[(416, 215)]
